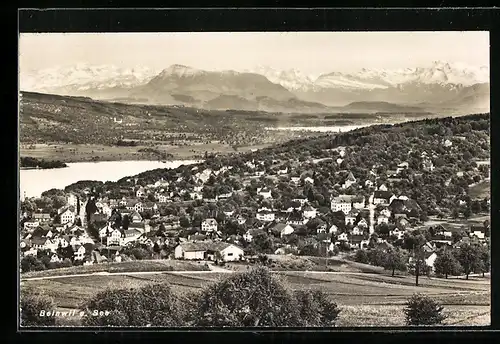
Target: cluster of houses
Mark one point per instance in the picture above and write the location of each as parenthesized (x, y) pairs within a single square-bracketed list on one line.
[(360, 217), (51, 239)]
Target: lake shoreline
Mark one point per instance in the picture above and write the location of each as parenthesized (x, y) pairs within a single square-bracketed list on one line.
[(33, 182)]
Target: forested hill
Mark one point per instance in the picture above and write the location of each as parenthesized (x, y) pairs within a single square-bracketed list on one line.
[(450, 144)]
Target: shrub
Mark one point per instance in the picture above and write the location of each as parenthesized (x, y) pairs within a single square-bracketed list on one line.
[(251, 298), (422, 310), (152, 305), (33, 303), (31, 263), (315, 309), (361, 256)]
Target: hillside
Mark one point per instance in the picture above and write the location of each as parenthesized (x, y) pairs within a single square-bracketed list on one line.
[(81, 120), (381, 107)]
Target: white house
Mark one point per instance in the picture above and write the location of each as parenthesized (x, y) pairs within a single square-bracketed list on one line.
[(368, 183), (383, 197), (241, 220), (447, 143), (342, 203), (196, 195), (209, 225), (382, 219), (130, 235), (248, 236), (264, 192), (283, 171), (357, 231), (430, 258), (349, 219), (382, 188), (67, 217), (363, 223), (358, 202), (282, 229), (342, 237), (479, 233), (55, 258), (295, 180), (79, 253), (208, 250), (229, 213), (162, 198), (385, 212), (349, 181), (115, 238), (302, 201), (333, 229), (309, 212), (72, 200), (401, 167), (140, 193), (309, 180), (31, 225), (428, 165), (266, 216)]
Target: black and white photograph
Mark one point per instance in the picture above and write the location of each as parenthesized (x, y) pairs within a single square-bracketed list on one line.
[(254, 179)]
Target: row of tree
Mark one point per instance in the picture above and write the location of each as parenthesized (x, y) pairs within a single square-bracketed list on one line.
[(449, 261)]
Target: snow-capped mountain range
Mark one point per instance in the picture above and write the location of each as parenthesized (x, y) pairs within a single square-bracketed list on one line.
[(437, 83), (84, 77), (438, 72)]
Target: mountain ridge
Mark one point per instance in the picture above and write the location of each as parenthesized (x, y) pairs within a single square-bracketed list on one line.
[(179, 84)]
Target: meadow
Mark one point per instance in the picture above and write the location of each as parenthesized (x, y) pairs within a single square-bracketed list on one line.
[(366, 299)]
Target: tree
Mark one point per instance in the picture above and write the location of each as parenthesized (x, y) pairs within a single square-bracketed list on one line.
[(456, 236), (361, 256), (394, 260), (151, 305), (446, 264), (156, 249), (486, 259), (376, 256), (422, 310), (184, 222), (467, 212), (316, 309), (469, 257), (34, 307), (262, 242), (256, 298), (125, 222), (31, 263)]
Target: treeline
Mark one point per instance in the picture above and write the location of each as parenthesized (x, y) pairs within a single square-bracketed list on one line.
[(466, 259), (126, 143), (31, 162)]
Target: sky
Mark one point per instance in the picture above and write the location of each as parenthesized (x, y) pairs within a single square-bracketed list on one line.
[(309, 52)]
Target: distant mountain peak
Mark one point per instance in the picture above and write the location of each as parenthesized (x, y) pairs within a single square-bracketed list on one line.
[(179, 71)]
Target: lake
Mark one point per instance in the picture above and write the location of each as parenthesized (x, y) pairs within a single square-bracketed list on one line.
[(324, 129), (34, 182)]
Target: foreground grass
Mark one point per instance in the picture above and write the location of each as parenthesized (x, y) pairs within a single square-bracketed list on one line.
[(366, 299), (130, 266), (393, 315)]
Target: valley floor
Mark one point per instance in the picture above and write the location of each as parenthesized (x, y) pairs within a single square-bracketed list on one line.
[(69, 153)]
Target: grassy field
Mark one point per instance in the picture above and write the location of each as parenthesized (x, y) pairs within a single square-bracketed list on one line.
[(366, 299), (480, 190), (130, 266)]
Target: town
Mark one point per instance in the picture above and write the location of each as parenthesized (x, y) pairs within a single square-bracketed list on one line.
[(324, 202)]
